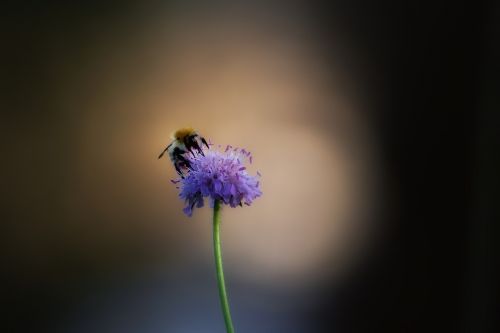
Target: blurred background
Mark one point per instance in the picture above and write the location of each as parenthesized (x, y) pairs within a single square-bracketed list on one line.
[(373, 125)]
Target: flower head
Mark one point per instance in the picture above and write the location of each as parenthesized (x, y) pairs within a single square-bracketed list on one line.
[(218, 175)]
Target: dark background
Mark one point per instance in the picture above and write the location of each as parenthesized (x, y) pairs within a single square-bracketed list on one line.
[(432, 69), (439, 128)]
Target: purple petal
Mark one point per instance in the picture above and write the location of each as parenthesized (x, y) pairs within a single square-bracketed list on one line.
[(218, 186)]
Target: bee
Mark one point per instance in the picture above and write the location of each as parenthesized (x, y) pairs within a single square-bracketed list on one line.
[(185, 140)]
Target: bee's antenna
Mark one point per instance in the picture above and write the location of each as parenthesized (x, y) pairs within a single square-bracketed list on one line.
[(163, 152)]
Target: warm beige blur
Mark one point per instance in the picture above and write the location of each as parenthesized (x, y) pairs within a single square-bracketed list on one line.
[(239, 85)]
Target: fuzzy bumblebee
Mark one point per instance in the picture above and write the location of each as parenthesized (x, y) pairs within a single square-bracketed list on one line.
[(185, 140)]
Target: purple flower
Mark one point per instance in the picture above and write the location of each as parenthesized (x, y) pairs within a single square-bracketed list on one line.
[(219, 175)]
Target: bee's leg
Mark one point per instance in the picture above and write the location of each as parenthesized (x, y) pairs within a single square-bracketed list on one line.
[(204, 142), (184, 161), (188, 164), (190, 150), (178, 169), (180, 160), (191, 143), (198, 148)]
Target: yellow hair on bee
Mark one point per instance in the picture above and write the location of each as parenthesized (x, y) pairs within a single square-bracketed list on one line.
[(180, 134)]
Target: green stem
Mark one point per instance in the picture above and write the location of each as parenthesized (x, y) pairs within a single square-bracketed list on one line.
[(220, 271)]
